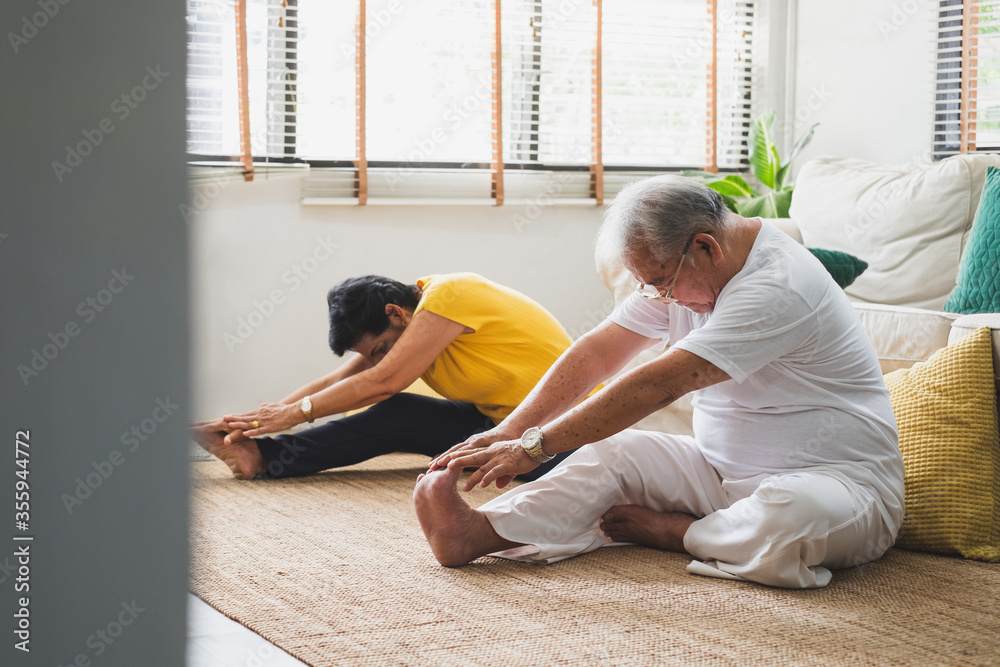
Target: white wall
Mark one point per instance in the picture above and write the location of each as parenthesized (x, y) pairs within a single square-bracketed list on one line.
[(863, 70), (248, 239)]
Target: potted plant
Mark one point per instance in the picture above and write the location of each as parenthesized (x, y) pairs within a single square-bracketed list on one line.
[(770, 171)]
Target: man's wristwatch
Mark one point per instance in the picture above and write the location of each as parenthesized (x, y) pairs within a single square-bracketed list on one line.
[(531, 442), (307, 409)]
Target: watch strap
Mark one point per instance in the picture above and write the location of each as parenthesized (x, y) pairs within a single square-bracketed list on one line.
[(535, 450)]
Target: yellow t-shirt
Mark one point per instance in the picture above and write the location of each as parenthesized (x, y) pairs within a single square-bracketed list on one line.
[(513, 343)]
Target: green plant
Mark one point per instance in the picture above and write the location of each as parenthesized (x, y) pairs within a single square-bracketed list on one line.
[(769, 170)]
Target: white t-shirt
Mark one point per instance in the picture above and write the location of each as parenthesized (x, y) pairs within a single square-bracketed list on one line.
[(806, 389)]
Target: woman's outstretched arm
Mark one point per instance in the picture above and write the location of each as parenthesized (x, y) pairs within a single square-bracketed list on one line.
[(354, 365), (425, 337)]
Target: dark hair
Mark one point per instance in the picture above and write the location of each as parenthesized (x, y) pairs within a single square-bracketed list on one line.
[(357, 307)]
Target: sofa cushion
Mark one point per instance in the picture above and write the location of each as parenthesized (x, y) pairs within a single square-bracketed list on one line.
[(909, 224), (946, 411), (903, 336), (978, 289)]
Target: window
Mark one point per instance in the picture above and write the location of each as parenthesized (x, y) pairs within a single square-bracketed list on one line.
[(967, 78), (573, 86)]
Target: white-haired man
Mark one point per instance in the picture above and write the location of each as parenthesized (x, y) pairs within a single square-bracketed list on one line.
[(794, 468)]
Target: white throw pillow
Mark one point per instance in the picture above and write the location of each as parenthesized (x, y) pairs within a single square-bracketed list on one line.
[(909, 224)]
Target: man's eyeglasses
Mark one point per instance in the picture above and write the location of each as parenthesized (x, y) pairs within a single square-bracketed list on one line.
[(661, 295)]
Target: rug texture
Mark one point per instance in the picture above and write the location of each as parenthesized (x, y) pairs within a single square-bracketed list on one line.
[(334, 569)]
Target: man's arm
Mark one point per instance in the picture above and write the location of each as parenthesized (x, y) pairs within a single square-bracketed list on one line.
[(638, 393), (593, 358)]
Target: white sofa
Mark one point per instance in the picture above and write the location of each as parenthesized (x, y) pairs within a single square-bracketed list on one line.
[(910, 224)]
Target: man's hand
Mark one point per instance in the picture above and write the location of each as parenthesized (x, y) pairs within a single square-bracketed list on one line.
[(499, 463), (476, 443), (267, 418)]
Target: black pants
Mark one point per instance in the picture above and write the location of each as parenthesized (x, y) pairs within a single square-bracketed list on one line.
[(407, 423)]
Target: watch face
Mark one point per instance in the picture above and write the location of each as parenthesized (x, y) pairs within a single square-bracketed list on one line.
[(306, 404), (531, 437)]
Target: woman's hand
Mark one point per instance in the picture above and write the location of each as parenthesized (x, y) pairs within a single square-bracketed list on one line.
[(500, 463), (475, 443), (267, 418), (209, 426)]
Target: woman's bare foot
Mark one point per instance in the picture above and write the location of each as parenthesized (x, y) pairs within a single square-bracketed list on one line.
[(456, 533), (641, 525), (243, 457)]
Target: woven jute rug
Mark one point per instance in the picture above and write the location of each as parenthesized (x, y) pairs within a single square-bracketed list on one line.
[(333, 569)]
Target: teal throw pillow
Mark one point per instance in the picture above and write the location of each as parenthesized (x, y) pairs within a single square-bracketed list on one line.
[(978, 274), (843, 267)]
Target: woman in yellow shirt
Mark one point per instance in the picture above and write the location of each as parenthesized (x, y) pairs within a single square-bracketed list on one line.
[(480, 345)]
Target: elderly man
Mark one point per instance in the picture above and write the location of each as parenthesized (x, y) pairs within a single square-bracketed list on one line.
[(794, 468)]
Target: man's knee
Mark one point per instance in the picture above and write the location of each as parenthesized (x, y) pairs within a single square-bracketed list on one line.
[(797, 507)]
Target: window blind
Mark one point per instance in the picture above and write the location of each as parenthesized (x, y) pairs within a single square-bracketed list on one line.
[(735, 80), (967, 78), (503, 91), (547, 72), (272, 53), (212, 108)]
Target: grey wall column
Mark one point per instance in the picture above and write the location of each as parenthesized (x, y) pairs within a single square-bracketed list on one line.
[(94, 296)]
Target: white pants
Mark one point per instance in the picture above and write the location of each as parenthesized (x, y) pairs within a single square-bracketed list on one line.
[(781, 530)]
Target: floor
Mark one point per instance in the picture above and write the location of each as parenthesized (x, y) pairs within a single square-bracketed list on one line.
[(216, 641)]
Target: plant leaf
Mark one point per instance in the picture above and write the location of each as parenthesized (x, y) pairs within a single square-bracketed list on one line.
[(699, 175), (796, 149), (732, 186), (779, 178), (763, 153), (774, 204), (730, 203), (801, 143)]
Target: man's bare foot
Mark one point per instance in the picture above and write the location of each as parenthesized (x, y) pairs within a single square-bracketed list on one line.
[(243, 457), (641, 525), (456, 533)]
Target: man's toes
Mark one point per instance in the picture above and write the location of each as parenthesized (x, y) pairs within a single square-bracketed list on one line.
[(618, 514)]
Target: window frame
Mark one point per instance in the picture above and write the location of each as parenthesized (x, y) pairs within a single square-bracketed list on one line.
[(531, 108)]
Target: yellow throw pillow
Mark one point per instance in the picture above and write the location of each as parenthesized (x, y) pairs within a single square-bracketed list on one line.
[(946, 409)]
